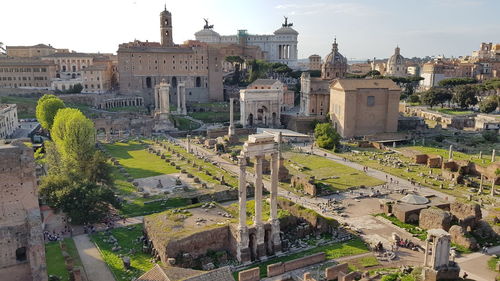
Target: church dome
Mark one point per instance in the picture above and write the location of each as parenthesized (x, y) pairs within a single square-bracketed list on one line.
[(334, 57), (286, 30), (397, 58)]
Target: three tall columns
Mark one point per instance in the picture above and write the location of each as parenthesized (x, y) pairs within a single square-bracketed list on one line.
[(257, 248)]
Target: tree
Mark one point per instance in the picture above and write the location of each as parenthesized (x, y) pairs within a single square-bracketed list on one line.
[(465, 96), (76, 89), (73, 134), (489, 104), (414, 98), (435, 96), (453, 82), (236, 61), (325, 136), (372, 73), (46, 109), (82, 201), (490, 136)]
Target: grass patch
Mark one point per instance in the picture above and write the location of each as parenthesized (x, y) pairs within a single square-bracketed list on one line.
[(184, 124), (330, 173), (492, 263), (453, 111), (128, 109), (55, 259), (333, 251), (266, 211), (137, 207), (127, 239), (456, 155), (213, 117), (369, 261), (137, 161), (411, 228)]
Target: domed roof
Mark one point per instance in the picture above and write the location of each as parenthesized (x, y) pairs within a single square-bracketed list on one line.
[(414, 199), (397, 58), (286, 30), (207, 32), (334, 56)]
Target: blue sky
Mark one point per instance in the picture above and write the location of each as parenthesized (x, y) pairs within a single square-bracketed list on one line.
[(364, 28)]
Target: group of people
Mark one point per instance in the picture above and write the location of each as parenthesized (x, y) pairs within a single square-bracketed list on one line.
[(52, 236)]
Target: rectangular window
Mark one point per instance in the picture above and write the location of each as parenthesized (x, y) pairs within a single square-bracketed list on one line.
[(370, 101)]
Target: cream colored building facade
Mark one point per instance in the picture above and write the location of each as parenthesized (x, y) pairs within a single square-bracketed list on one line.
[(360, 107), (314, 62), (26, 73), (315, 91), (261, 103), (396, 65), (141, 65), (38, 50), (279, 47), (9, 121)]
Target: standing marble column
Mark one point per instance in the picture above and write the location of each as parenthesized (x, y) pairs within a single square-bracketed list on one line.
[(259, 227), (275, 223), (493, 156), (481, 185), (231, 131), (183, 98), (258, 190), (188, 143), (179, 106), (242, 249), (450, 153), (426, 252), (242, 190)]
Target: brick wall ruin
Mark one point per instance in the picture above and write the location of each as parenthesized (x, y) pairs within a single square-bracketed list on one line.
[(21, 238)]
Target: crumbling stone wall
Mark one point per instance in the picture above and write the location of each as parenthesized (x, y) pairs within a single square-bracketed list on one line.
[(318, 223), (282, 267), (305, 183), (468, 215), (435, 218), (460, 237), (21, 239)]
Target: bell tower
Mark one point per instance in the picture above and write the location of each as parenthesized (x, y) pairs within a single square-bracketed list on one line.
[(166, 28)]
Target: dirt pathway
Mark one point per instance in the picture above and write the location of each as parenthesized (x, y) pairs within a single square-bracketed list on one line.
[(95, 267)]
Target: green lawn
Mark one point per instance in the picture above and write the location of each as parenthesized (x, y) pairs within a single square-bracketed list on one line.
[(138, 208), (213, 117), (234, 210), (456, 155), (323, 168), (55, 259), (492, 263), (128, 109), (333, 251), (137, 161), (140, 262), (453, 111), (184, 124), (411, 228), (214, 170)]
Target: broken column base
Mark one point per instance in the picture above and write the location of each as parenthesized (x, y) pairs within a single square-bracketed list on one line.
[(232, 139), (449, 273)]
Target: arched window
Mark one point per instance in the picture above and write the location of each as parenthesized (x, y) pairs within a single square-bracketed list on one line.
[(174, 82), (198, 82), (148, 82)]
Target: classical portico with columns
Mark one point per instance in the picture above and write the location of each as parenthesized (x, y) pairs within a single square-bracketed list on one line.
[(262, 238)]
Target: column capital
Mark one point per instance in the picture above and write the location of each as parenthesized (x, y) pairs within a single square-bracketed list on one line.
[(242, 160)]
